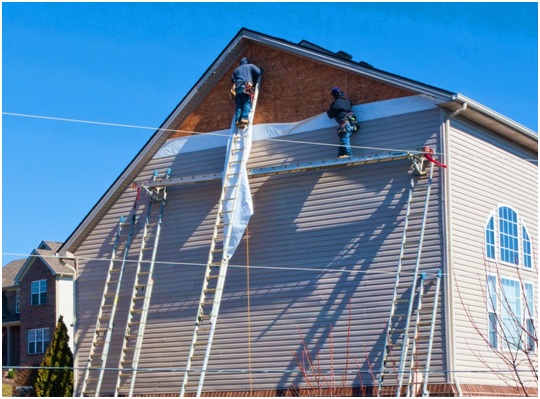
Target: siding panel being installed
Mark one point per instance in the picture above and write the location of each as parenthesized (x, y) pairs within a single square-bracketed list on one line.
[(316, 265), (486, 172)]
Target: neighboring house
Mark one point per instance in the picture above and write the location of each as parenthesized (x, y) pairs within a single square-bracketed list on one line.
[(35, 292), (317, 266)]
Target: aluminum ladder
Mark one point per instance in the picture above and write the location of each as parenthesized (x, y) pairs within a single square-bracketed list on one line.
[(142, 287), (397, 331), (218, 259), (427, 303), (107, 310)]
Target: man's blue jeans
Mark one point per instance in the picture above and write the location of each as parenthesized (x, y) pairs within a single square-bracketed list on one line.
[(344, 134), (243, 104)]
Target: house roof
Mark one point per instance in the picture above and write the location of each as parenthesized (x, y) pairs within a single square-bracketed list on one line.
[(447, 100), (10, 271), (46, 251)]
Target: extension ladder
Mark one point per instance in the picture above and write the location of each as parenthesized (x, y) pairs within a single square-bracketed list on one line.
[(107, 310), (142, 288), (431, 298), (397, 331), (218, 257)]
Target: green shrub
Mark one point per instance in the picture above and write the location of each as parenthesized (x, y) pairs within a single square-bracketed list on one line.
[(56, 376)]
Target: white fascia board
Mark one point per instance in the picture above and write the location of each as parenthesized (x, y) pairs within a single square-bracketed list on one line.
[(495, 115)]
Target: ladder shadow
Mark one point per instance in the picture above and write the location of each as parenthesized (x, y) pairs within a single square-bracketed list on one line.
[(349, 258)]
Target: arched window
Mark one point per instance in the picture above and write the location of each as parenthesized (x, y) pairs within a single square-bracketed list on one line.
[(507, 239)]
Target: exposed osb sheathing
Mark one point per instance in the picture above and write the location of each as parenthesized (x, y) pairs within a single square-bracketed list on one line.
[(292, 88)]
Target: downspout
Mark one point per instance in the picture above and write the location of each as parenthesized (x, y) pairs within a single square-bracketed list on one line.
[(75, 269), (448, 234)]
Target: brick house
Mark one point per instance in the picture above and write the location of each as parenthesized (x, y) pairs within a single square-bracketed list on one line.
[(35, 292)]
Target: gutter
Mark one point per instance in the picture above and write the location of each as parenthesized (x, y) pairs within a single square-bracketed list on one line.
[(450, 317), (473, 105)]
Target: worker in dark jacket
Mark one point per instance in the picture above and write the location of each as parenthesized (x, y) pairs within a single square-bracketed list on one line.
[(341, 111), (243, 78)]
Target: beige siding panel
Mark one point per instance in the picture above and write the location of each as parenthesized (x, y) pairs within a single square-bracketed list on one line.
[(321, 245), (486, 171)]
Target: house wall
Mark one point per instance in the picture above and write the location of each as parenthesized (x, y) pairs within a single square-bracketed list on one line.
[(292, 89), (322, 249), (41, 316), (65, 305), (485, 171), (10, 296)]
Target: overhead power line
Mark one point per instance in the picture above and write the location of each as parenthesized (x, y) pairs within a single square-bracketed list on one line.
[(129, 126), (269, 267)]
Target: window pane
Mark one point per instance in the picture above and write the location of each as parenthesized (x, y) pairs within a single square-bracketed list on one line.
[(529, 297), (508, 231), (492, 330), (490, 239), (511, 314), (492, 293), (527, 254), (531, 345)]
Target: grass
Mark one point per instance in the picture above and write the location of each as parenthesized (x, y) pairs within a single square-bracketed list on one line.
[(6, 390)]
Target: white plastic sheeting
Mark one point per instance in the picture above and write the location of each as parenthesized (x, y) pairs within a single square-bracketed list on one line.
[(364, 112), (238, 211)]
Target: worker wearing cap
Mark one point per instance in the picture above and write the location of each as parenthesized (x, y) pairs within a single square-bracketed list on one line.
[(341, 111), (243, 77)]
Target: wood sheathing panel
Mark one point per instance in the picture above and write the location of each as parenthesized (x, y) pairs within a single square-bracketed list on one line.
[(292, 88)]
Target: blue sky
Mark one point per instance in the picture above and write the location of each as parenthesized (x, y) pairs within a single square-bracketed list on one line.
[(132, 63)]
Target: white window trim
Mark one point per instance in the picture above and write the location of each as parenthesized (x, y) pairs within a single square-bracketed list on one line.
[(39, 292), (492, 308), (524, 316), (35, 341), (17, 301), (521, 225)]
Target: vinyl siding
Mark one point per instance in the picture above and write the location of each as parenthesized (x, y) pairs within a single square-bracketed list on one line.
[(486, 171), (65, 303), (318, 240)]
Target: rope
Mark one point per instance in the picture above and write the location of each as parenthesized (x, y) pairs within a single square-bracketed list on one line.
[(248, 312)]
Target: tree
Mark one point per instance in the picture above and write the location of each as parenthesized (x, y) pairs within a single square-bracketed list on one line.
[(511, 333), (55, 378)]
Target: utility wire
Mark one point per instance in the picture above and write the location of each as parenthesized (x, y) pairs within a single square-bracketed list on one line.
[(260, 371), (282, 268), (216, 134)]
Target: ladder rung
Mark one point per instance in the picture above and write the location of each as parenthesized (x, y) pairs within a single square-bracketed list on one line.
[(424, 323), (399, 315), (397, 330), (210, 290)]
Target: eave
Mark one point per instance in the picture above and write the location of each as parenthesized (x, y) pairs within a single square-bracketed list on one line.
[(497, 123)]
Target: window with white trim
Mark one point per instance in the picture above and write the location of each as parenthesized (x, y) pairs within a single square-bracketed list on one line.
[(17, 301), (492, 310), (38, 340), (39, 292), (510, 310), (528, 316), (512, 326), (507, 239)]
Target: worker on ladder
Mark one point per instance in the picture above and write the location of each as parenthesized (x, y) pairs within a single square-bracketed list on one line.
[(242, 91)]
